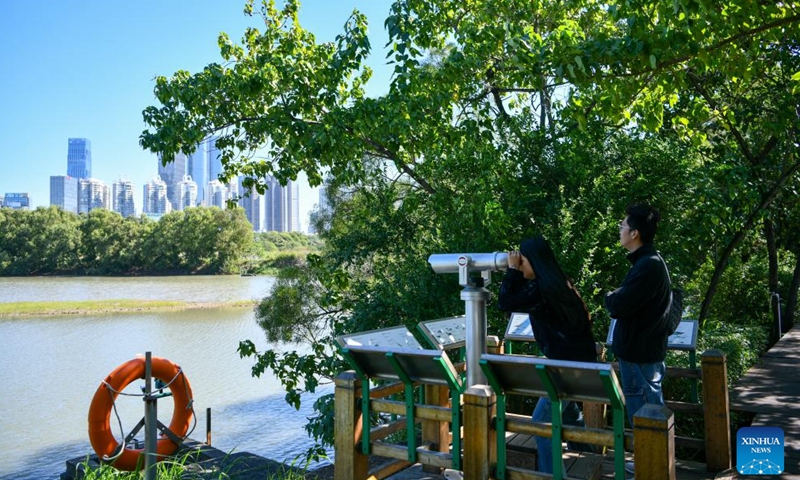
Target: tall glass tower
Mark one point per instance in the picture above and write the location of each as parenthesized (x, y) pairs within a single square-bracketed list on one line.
[(197, 168), (79, 158), (214, 160)]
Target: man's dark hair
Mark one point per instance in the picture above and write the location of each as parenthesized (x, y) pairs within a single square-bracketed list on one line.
[(644, 218)]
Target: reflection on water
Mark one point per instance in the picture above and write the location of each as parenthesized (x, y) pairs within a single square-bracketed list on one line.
[(51, 368)]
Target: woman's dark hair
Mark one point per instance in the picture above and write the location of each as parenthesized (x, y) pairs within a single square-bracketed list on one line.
[(557, 289)]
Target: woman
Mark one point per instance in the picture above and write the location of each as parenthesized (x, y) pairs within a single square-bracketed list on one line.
[(535, 283)]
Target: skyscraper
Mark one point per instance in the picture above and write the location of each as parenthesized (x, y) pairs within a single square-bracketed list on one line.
[(216, 194), (172, 174), (281, 206), (187, 193), (324, 204), (274, 206), (155, 198), (18, 201), (197, 168), (123, 197), (79, 158), (292, 206), (93, 193), (64, 192), (214, 160), (250, 200)]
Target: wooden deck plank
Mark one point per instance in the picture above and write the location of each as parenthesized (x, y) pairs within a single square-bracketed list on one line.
[(771, 389), (520, 442)]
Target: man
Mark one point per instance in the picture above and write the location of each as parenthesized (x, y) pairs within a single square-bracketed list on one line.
[(641, 307)]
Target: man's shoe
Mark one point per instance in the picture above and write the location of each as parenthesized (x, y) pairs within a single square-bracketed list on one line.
[(629, 467)]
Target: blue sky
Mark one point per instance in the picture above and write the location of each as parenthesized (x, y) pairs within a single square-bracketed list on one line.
[(85, 68)]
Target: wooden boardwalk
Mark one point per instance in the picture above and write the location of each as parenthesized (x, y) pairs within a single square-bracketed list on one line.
[(771, 390)]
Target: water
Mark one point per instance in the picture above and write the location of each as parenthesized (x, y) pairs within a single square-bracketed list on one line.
[(50, 368)]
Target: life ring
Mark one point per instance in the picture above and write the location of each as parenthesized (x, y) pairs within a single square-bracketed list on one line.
[(100, 435)]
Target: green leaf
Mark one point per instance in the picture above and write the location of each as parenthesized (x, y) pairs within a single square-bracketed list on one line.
[(579, 62)]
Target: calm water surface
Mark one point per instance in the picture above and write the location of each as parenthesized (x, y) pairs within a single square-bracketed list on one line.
[(50, 368)]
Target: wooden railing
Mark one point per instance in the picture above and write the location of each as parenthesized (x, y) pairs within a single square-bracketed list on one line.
[(653, 431)]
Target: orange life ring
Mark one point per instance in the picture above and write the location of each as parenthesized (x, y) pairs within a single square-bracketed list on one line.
[(100, 435)]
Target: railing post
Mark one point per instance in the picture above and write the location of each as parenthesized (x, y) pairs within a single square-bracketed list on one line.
[(716, 410), (435, 432), (480, 442), (654, 443), (351, 464), (594, 414), (494, 345)]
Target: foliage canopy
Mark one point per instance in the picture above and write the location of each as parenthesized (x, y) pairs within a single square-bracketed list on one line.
[(507, 118)]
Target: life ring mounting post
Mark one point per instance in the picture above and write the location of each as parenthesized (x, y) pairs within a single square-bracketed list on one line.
[(160, 440)]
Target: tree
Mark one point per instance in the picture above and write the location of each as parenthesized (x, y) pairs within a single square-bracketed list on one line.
[(39, 242), (110, 243), (504, 118)]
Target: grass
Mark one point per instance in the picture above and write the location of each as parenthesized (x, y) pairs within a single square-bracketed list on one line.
[(24, 309), (179, 468)]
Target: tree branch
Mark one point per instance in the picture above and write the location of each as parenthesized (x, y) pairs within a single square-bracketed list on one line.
[(747, 33), (737, 135), (719, 268)]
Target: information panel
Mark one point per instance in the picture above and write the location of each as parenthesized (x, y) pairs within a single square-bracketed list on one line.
[(446, 333), (388, 338), (684, 338), (519, 328)]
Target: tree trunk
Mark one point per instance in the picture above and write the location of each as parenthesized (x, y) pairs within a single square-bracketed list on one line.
[(739, 236), (791, 301), (774, 300)]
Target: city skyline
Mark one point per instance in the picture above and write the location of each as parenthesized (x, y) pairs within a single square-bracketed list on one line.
[(85, 69), (173, 189)]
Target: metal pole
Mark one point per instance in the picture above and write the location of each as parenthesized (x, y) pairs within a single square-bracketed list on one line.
[(780, 327), (475, 299), (208, 426), (150, 421)]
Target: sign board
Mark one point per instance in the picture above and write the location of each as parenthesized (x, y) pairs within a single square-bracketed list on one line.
[(386, 338), (684, 338), (578, 381), (519, 328), (445, 333), (426, 366)]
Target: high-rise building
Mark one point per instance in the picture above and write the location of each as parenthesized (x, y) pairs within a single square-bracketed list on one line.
[(322, 209), (197, 168), (79, 158), (293, 206), (64, 192), (187, 193), (281, 206), (216, 194), (17, 201), (250, 200), (172, 174), (214, 160), (156, 202), (324, 204), (93, 193), (274, 206), (123, 197)]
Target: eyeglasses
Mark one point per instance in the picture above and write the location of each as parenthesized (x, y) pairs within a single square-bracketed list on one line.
[(623, 227)]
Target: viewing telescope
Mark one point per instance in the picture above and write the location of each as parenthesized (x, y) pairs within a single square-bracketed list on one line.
[(475, 297), (465, 263)]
